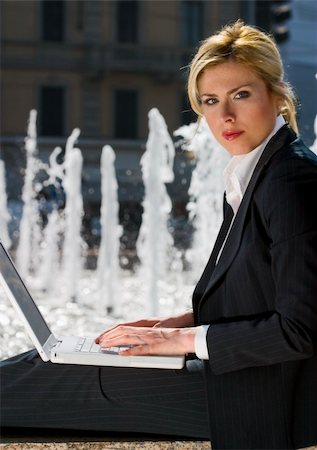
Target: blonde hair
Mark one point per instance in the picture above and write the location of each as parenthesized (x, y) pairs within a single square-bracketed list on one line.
[(251, 47)]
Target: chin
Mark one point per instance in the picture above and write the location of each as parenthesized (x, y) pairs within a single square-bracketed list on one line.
[(238, 151)]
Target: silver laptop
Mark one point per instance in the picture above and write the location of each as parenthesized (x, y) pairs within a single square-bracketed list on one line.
[(67, 349)]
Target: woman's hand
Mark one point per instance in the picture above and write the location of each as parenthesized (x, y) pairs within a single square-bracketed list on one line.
[(155, 336), (150, 340), (178, 321)]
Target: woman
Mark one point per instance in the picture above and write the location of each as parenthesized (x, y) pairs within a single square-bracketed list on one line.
[(257, 295), (254, 317)]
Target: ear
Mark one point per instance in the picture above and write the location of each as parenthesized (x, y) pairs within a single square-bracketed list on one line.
[(279, 99)]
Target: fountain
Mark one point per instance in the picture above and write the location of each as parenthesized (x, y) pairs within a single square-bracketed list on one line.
[(50, 253), (73, 243), (154, 240), (30, 230), (108, 255), (205, 191)]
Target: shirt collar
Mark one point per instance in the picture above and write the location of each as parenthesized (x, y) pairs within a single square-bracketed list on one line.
[(239, 170)]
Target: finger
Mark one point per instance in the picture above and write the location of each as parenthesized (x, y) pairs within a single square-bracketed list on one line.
[(155, 349), (113, 331), (130, 339), (143, 323), (137, 350), (150, 349), (98, 338), (129, 330)]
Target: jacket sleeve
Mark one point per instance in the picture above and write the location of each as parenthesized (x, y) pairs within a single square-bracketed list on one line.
[(289, 332)]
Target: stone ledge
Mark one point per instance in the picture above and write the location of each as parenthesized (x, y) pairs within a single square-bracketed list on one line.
[(57, 439), (109, 445)]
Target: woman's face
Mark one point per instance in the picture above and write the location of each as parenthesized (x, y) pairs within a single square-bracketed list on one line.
[(237, 106)]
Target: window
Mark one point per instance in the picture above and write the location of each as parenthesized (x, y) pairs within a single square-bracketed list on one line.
[(192, 21), (53, 20), (52, 111), (127, 21), (126, 114)]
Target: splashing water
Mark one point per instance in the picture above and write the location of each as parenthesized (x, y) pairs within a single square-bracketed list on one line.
[(205, 191), (30, 230), (155, 240), (49, 270), (49, 254), (73, 242), (108, 257)]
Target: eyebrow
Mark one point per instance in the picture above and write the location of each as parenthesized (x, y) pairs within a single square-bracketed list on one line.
[(231, 90)]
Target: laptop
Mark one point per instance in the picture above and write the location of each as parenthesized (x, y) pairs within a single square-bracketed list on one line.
[(67, 349)]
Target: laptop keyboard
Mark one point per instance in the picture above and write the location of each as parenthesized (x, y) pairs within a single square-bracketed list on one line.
[(88, 345)]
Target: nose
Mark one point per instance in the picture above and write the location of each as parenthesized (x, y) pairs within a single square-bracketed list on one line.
[(228, 114)]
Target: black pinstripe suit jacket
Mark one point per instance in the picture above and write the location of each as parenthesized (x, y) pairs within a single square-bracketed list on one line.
[(261, 302)]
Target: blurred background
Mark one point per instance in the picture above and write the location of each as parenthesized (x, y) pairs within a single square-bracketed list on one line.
[(101, 65)]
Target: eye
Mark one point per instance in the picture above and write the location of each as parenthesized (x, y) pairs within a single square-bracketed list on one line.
[(210, 101), (242, 94)]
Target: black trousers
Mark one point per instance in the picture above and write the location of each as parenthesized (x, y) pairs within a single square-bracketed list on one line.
[(45, 395)]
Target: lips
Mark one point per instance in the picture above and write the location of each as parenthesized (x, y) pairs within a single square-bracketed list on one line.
[(231, 135)]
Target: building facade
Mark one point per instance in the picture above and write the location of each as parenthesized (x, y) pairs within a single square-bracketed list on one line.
[(101, 66)]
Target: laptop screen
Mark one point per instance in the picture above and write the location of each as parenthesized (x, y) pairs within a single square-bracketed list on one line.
[(22, 297)]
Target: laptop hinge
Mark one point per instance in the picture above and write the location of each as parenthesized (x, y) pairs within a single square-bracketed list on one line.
[(49, 344)]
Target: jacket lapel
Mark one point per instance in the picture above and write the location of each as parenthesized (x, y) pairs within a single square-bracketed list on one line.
[(284, 136)]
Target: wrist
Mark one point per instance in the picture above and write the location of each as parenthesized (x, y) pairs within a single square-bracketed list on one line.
[(188, 339)]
